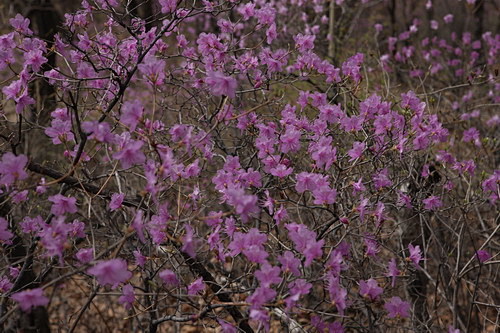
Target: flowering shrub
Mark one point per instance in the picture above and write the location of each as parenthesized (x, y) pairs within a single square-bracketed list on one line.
[(209, 165)]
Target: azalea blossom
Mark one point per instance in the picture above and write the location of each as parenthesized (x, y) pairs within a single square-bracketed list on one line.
[(397, 307), (110, 272), (30, 298)]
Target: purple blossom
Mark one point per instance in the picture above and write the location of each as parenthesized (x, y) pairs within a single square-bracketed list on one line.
[(138, 225), (99, 131), (62, 204), (260, 296), (195, 287), (297, 288), (356, 151), (153, 69), (393, 271), (352, 124), (415, 255), (305, 242), (130, 154), (54, 237), (352, 66), (85, 256), (448, 18), (168, 6), (304, 43), (5, 284), (5, 234), (227, 327), (30, 298), (128, 296), (268, 275), (250, 244), (370, 289), (169, 278), (289, 263), (116, 201), (432, 203), (256, 254), (12, 168), (189, 242), (472, 134), (338, 295), (131, 113), (371, 245), (140, 259), (21, 24), (397, 307), (221, 85), (290, 140), (324, 195), (112, 272), (483, 256), (244, 204), (35, 58), (60, 131), (382, 179)]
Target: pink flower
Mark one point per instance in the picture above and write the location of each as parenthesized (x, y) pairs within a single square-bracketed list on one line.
[(153, 69), (62, 205), (338, 295), (472, 134), (30, 298), (245, 204), (415, 255), (289, 263), (356, 151), (189, 242), (140, 259), (112, 272), (196, 287), (432, 203), (12, 168), (397, 307), (131, 113), (382, 179), (85, 255), (370, 289), (130, 154), (60, 131), (35, 58), (297, 288), (268, 275), (116, 201), (448, 18), (227, 327), (483, 255), (168, 6), (280, 171), (5, 234), (5, 284), (352, 66), (305, 242), (393, 271), (21, 24), (221, 85), (260, 296), (128, 296), (304, 43), (169, 278)]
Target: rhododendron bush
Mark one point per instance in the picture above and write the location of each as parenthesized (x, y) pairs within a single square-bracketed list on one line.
[(242, 166)]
